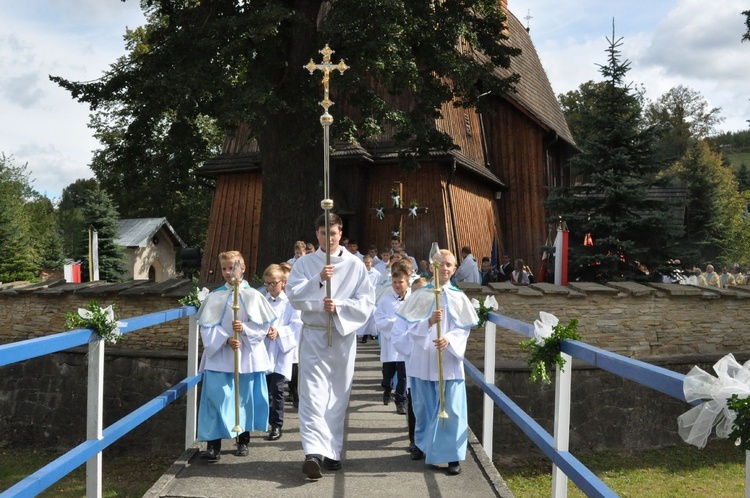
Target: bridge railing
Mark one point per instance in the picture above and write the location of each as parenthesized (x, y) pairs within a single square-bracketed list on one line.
[(97, 437), (564, 465)]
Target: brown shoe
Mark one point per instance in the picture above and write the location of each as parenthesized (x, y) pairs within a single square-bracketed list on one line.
[(311, 467)]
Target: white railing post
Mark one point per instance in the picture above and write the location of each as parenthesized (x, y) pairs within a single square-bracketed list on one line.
[(191, 416), (562, 423), (94, 415), (488, 423)]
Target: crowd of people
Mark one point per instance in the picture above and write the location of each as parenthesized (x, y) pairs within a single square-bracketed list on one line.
[(290, 333), (676, 273)]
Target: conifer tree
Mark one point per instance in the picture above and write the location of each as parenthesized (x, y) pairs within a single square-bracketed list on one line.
[(100, 213), (614, 171), (17, 251)]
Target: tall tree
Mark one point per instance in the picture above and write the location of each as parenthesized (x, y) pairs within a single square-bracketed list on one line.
[(202, 66), (70, 217), (617, 167), (680, 117), (18, 250), (100, 213)]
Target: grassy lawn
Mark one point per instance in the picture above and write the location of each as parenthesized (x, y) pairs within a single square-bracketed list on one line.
[(737, 158), (684, 471), (124, 476)]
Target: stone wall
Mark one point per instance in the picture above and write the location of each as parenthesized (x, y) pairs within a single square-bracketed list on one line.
[(42, 401)]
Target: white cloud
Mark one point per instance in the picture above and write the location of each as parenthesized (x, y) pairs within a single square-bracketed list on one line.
[(41, 124)]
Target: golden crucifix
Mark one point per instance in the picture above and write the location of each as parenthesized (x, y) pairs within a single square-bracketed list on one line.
[(326, 120)]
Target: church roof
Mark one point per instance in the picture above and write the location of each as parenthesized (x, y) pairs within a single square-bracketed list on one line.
[(534, 92), (136, 232)]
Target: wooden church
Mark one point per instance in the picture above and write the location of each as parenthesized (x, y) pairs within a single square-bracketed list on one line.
[(490, 190)]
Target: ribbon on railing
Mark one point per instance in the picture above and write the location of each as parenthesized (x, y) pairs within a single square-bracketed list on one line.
[(380, 213), (694, 426), (483, 306), (396, 200), (544, 326), (413, 211), (109, 330)]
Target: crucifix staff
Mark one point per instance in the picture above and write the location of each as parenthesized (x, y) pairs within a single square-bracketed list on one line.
[(327, 67)]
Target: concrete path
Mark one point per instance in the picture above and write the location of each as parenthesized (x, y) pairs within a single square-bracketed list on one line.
[(375, 463)]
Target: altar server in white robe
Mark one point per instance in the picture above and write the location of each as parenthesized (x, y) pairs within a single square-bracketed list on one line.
[(325, 373), (281, 342), (216, 416), (438, 440)]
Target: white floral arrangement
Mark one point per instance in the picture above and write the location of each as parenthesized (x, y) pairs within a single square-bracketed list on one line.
[(195, 297), (546, 344), (101, 320), (483, 306)]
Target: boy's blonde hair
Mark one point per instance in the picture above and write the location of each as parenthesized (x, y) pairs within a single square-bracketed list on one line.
[(420, 282), (272, 270), (300, 244), (231, 256), (286, 268), (404, 265)]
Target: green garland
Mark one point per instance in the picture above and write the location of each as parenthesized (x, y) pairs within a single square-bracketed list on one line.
[(104, 324), (741, 425), (544, 357)]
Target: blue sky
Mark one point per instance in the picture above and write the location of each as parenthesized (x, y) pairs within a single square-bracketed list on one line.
[(668, 42)]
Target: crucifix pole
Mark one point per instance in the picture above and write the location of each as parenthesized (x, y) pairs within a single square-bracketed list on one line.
[(327, 67)]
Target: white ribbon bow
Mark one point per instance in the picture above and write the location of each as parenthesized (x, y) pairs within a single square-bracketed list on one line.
[(110, 314), (202, 294), (489, 302), (413, 211), (380, 213), (396, 200), (695, 425), (544, 326)]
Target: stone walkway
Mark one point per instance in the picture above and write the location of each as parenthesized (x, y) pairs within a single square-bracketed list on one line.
[(375, 461)]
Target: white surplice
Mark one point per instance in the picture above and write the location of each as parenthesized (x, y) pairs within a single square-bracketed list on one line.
[(281, 351), (325, 374)]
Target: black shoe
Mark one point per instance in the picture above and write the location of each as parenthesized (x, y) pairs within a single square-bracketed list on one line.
[(411, 447), (417, 454), (401, 409), (454, 468), (364, 339), (330, 464), (241, 450), (386, 397), (274, 433), (311, 467), (374, 337), (295, 402), (211, 455)]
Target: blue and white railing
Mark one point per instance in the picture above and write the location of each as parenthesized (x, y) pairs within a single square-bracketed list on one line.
[(97, 437), (564, 465)]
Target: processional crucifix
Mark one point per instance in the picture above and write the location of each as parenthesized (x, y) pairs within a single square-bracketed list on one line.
[(326, 120)]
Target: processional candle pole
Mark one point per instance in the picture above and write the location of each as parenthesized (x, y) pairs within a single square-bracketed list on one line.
[(236, 279), (327, 67), (435, 260)]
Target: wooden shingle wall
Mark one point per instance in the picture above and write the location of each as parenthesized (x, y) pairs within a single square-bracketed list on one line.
[(234, 223)]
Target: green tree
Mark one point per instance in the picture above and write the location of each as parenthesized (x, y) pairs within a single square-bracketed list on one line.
[(70, 217), (198, 67), (100, 213), (46, 237), (18, 253), (746, 36), (743, 177), (680, 117), (617, 166), (717, 225)]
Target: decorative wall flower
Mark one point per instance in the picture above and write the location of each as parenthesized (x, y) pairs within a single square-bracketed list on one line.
[(413, 208), (380, 211), (396, 196)]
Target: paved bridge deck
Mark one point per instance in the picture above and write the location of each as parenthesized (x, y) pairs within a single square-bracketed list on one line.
[(375, 461)]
